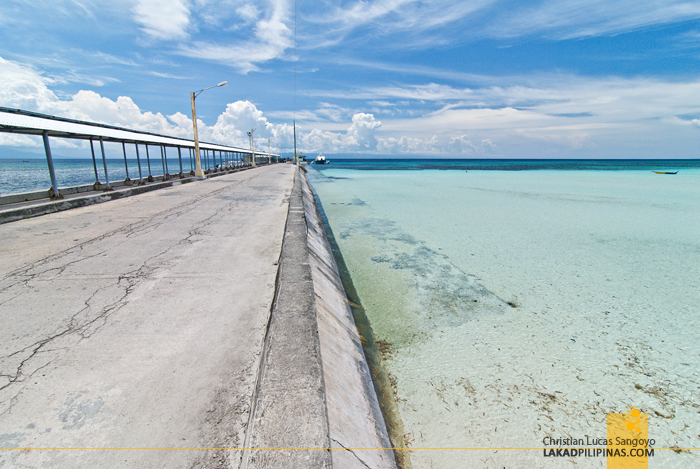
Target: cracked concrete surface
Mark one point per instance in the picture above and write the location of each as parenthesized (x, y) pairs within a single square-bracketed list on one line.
[(138, 324)]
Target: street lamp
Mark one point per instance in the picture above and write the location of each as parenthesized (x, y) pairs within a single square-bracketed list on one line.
[(198, 170), (252, 144)]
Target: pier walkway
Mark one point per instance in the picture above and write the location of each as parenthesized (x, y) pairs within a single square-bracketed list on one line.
[(138, 323), (202, 325)]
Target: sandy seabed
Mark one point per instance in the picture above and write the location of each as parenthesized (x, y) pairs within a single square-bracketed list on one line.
[(514, 306)]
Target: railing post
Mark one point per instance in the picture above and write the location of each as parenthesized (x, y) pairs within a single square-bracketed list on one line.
[(162, 161), (97, 186), (104, 163), (138, 160), (165, 158), (52, 171), (127, 181), (148, 160)]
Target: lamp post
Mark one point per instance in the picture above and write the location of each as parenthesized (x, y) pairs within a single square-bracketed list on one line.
[(198, 170), (252, 145)]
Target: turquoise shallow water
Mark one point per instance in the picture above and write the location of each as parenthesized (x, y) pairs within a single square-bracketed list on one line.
[(603, 268)]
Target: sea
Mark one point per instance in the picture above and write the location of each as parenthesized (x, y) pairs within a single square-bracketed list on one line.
[(513, 304)]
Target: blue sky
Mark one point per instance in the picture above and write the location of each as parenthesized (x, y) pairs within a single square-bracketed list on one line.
[(482, 79)]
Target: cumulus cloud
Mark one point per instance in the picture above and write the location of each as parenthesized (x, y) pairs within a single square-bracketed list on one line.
[(25, 88), (236, 121), (360, 135)]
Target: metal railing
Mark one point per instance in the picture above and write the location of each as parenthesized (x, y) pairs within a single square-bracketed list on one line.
[(18, 121)]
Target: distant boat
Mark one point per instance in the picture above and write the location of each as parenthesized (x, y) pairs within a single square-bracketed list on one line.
[(320, 159), (666, 172)]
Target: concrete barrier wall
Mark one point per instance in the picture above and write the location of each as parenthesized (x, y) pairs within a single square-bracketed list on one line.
[(357, 431)]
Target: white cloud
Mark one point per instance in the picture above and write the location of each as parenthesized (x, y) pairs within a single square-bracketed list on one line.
[(409, 145), (13, 140), (236, 121), (407, 17), (107, 58), (167, 75), (426, 24), (555, 113), (460, 145), (271, 37), (566, 19), (380, 103), (163, 19), (248, 12), (25, 88), (360, 135)]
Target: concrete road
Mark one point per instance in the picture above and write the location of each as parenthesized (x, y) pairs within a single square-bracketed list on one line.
[(130, 331)]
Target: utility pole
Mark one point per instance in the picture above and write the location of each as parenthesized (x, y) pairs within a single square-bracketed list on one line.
[(198, 170)]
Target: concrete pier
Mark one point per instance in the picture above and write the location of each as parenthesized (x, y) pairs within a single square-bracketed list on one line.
[(142, 332)]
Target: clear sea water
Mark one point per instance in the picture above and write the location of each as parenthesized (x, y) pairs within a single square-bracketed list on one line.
[(515, 300)]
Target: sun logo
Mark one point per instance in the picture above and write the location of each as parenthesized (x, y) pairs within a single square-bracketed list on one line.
[(633, 420)]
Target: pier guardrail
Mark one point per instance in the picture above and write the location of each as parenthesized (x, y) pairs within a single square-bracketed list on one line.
[(18, 121)]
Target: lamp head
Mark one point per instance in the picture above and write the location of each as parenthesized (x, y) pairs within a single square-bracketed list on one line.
[(223, 83)]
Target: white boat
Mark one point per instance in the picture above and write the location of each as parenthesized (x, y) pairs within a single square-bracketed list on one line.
[(320, 159)]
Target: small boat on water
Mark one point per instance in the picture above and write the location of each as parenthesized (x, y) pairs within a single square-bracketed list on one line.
[(665, 172), (320, 159)]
